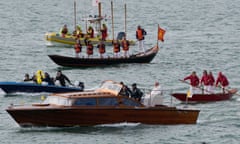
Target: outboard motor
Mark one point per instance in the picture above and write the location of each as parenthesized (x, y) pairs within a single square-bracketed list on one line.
[(121, 35), (79, 84)]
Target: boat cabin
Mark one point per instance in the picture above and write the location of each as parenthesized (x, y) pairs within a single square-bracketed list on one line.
[(106, 95)]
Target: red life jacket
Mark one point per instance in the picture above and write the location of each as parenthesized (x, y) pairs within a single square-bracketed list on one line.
[(116, 47), (90, 49), (101, 48), (78, 48), (140, 34), (104, 34), (125, 45)]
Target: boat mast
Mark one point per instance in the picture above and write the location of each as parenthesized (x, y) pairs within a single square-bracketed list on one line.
[(112, 20), (100, 13), (125, 23)]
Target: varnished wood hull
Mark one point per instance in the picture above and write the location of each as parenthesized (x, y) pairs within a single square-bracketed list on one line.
[(64, 117), (93, 62)]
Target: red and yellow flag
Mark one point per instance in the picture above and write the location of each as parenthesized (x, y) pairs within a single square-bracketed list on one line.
[(161, 33)]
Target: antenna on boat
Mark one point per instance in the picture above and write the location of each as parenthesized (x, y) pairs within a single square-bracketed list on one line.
[(112, 19), (75, 15)]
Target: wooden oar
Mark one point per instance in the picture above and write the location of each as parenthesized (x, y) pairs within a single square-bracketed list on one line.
[(196, 86), (229, 90)]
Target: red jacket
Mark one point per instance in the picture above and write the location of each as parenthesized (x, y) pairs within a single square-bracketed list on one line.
[(204, 80), (194, 80), (211, 80), (222, 79)]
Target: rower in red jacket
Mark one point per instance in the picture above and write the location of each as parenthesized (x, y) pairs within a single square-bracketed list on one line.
[(211, 82), (204, 81), (194, 82), (222, 80)]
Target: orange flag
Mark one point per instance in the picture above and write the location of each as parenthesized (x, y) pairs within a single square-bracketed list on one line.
[(161, 33)]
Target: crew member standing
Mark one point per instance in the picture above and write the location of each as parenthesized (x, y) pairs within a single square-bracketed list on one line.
[(78, 48), (116, 48), (204, 82), (140, 33), (104, 32), (211, 82), (194, 82), (89, 48), (125, 46), (101, 49)]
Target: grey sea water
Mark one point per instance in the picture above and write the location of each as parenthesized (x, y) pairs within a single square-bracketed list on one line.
[(199, 35)]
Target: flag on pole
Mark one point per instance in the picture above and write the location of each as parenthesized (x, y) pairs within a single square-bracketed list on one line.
[(161, 33), (189, 94), (95, 2)]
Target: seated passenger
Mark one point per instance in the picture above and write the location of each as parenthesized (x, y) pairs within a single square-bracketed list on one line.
[(48, 79), (155, 97), (27, 78)]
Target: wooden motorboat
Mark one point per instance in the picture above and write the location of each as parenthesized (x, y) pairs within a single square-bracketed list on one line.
[(26, 87), (93, 62), (103, 105), (212, 97)]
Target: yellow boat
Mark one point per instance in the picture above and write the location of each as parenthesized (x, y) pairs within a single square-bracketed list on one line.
[(55, 39)]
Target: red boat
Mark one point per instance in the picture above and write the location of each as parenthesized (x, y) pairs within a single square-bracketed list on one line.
[(201, 98), (104, 105)]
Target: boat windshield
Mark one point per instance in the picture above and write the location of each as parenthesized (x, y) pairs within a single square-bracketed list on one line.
[(110, 86), (56, 100)]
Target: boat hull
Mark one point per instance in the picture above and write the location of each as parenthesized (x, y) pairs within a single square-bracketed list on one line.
[(93, 62), (71, 40), (65, 117), (13, 87), (204, 97)]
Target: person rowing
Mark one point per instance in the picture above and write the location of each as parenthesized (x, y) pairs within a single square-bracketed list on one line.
[(194, 82), (204, 82), (223, 81)]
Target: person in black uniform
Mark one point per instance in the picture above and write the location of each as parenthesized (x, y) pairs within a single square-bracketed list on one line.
[(61, 77), (136, 92), (125, 91)]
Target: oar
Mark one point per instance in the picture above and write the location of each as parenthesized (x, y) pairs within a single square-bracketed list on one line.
[(196, 86), (228, 90)]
